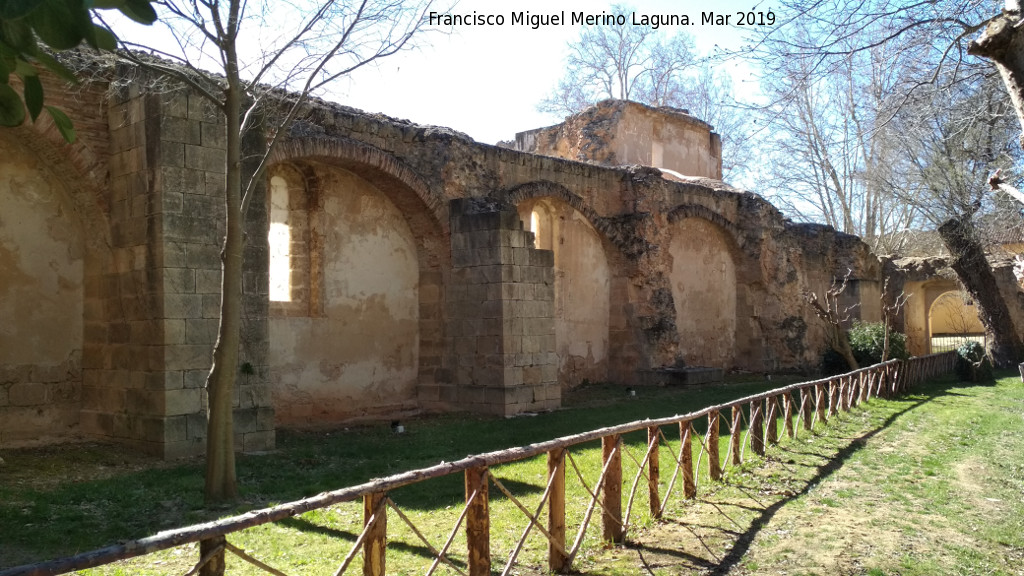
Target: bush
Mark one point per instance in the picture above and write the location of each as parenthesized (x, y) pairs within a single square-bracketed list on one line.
[(972, 363), (867, 340)]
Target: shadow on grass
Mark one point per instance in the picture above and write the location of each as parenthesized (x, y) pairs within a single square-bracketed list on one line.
[(308, 527), (833, 463)]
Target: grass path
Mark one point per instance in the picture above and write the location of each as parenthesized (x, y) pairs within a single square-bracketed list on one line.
[(931, 484)]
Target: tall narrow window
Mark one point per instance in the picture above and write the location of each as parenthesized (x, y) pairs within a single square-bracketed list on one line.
[(280, 242), (540, 225)]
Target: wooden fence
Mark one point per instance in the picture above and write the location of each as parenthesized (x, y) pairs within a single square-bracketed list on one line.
[(798, 406)]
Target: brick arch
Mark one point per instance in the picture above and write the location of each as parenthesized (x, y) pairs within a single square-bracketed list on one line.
[(81, 173), (407, 189), (425, 212), (546, 189)]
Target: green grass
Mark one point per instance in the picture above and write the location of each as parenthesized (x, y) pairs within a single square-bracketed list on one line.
[(931, 483), (63, 500)]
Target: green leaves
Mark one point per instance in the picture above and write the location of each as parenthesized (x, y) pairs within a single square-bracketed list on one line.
[(29, 27), (12, 111)]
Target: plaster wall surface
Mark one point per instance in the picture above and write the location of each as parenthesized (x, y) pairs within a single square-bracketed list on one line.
[(704, 292), (675, 141), (915, 319), (951, 314), (359, 357), (582, 289), (41, 301)]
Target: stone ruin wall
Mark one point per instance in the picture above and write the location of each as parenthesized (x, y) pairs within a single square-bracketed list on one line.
[(923, 281), (623, 133), (416, 286)]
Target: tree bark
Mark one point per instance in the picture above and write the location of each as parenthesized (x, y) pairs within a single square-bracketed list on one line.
[(221, 480), (1003, 44), (973, 270)]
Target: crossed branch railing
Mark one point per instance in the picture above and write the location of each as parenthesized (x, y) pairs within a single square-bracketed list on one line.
[(806, 403)]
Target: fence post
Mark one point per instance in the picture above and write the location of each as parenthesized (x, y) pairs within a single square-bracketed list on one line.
[(864, 379), (653, 471), (787, 413), (377, 536), (557, 560), (806, 407), (757, 428), (478, 522), (772, 422), (834, 391), (714, 463), (821, 401), (686, 459), (735, 436), (611, 457), (215, 566)]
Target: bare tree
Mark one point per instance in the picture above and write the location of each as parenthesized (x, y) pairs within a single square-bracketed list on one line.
[(303, 47), (835, 318), (606, 62), (641, 64), (832, 148), (929, 47)]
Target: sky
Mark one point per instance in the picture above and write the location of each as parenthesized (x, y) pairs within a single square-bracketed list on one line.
[(486, 81)]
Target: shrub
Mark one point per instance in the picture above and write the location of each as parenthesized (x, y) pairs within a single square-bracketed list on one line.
[(972, 363), (867, 340)]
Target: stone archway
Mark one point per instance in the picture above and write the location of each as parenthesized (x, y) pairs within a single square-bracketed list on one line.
[(704, 290), (43, 258), (952, 319), (363, 332), (583, 281)]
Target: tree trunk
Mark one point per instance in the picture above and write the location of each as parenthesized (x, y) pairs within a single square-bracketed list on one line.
[(842, 346), (221, 482), (974, 272)]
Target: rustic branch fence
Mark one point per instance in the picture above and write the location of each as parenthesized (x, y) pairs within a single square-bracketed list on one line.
[(799, 406)]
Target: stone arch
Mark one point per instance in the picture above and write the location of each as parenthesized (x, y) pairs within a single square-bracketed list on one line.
[(732, 231), (584, 277), (546, 189), (704, 274), (951, 317), (54, 252), (373, 329), (376, 166)]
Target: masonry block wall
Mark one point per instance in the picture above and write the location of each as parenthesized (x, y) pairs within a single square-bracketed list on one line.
[(191, 187), (500, 340), (144, 385), (485, 325)]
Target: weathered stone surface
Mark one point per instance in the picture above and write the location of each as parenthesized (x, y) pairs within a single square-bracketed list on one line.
[(416, 270)]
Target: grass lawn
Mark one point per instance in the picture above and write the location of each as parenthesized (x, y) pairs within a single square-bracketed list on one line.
[(928, 484)]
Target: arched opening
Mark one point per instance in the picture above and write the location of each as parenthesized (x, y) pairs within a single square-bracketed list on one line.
[(953, 320), (582, 288), (703, 278), (348, 347), (42, 261)]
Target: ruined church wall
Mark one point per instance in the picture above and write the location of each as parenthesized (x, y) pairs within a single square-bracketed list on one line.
[(42, 258), (354, 353), (704, 292), (633, 212), (582, 288)]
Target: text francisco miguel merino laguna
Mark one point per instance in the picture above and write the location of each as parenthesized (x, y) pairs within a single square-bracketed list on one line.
[(655, 21)]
